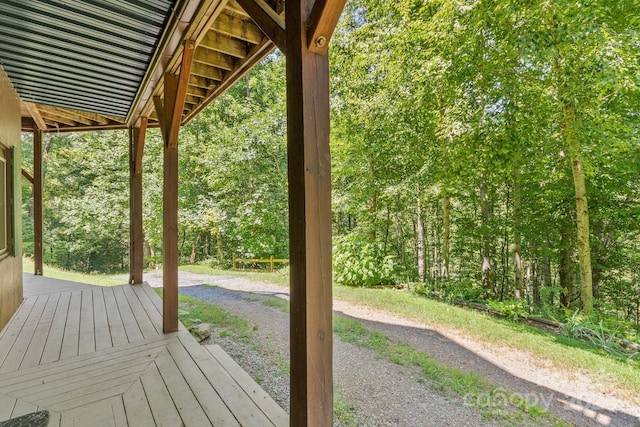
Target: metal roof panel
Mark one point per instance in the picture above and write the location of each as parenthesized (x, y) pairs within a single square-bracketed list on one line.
[(46, 47)]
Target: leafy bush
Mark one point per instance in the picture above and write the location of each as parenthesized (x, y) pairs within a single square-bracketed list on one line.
[(513, 309), (358, 262)]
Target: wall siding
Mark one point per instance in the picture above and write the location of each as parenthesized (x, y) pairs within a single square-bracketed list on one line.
[(11, 267)]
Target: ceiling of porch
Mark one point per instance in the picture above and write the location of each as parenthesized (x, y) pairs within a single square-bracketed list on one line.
[(96, 64)]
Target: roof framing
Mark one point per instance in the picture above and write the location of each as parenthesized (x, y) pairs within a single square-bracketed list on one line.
[(100, 71)]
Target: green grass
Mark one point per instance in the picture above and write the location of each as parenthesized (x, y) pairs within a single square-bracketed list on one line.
[(192, 311), (280, 278), (74, 276), (564, 353), (493, 401), (279, 303)]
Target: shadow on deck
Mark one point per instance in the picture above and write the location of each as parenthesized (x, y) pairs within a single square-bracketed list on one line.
[(96, 356)]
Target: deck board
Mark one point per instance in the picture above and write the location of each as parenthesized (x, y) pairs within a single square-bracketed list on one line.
[(96, 356)]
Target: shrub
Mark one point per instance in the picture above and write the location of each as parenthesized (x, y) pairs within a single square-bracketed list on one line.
[(358, 262)]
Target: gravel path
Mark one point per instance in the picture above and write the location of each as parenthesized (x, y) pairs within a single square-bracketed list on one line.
[(381, 393)]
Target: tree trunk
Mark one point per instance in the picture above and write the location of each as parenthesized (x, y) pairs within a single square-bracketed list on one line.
[(485, 213), (582, 207), (420, 243), (446, 233), (566, 269), (517, 236)]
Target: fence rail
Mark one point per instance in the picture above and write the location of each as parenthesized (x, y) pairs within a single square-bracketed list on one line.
[(271, 261)]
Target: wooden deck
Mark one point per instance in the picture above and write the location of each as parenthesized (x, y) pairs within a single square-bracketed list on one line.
[(96, 356)]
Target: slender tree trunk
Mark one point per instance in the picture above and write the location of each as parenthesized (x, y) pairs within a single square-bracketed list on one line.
[(517, 236), (446, 234), (566, 269), (582, 207), (420, 242), (485, 213)]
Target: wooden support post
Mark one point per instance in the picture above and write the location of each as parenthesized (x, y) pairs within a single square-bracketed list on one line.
[(309, 215), (37, 201), (169, 114), (136, 245), (271, 263)]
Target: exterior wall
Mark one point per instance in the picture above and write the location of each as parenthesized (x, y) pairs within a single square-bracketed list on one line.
[(11, 267)]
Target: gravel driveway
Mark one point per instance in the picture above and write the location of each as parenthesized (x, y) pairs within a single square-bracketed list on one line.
[(377, 392)]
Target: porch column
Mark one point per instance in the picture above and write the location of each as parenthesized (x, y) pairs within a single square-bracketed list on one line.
[(136, 245), (309, 25), (169, 111), (37, 201)]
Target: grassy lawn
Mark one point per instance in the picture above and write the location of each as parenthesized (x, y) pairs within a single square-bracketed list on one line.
[(564, 353), (278, 277), (74, 276)]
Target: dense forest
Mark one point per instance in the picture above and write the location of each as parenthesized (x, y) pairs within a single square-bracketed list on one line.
[(481, 150)]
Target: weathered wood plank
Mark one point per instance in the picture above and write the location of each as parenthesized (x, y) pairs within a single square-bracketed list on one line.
[(6, 406), (137, 407), (101, 330), (150, 310), (23, 407), (12, 330), (271, 409), (34, 352), (208, 398), (272, 24), (162, 407), (72, 328), (52, 372), (53, 345), (190, 410), (105, 413), (87, 341), (19, 348), (131, 326), (116, 327), (245, 410)]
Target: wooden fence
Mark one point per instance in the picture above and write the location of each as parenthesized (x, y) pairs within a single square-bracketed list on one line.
[(271, 261)]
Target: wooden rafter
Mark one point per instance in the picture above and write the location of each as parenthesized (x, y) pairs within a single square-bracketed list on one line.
[(214, 58), (27, 175), (207, 71), (224, 44), (268, 20), (322, 22), (36, 116), (240, 29)]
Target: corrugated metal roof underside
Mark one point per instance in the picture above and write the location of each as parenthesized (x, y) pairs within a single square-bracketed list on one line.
[(85, 55)]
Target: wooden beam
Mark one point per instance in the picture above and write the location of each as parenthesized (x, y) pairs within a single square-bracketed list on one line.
[(256, 55), (37, 202), (27, 175), (272, 24), (206, 71), (176, 93), (309, 224), (35, 114), (169, 114), (322, 22), (224, 44), (237, 28), (214, 59), (136, 246)]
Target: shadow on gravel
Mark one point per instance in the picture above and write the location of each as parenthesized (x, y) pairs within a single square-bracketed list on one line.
[(446, 352), (217, 295)]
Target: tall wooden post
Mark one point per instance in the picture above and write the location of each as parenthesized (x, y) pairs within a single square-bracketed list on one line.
[(37, 201), (136, 245), (169, 111), (309, 25)]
